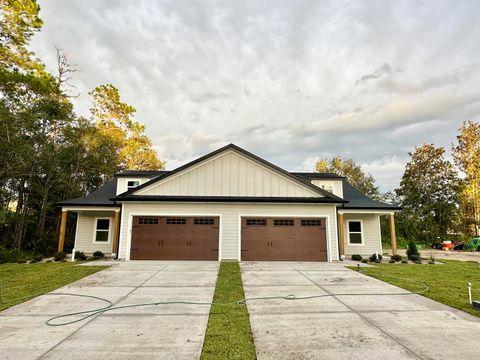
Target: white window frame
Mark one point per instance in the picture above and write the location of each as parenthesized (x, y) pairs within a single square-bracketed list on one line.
[(355, 232), (130, 188), (109, 230)]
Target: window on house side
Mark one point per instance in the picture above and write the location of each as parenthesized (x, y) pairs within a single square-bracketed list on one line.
[(355, 232), (102, 229)]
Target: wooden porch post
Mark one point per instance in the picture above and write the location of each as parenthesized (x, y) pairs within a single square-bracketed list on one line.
[(341, 235), (116, 221), (63, 225), (392, 234)]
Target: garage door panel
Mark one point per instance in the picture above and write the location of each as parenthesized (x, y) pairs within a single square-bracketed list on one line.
[(174, 238), (288, 239)]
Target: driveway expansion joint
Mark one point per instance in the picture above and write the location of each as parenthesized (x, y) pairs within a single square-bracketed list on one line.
[(96, 316), (394, 338)]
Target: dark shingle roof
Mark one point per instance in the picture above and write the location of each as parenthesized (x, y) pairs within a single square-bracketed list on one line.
[(358, 200), (355, 198), (99, 197)]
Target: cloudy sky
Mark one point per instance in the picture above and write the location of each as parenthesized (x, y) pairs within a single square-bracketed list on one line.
[(291, 81)]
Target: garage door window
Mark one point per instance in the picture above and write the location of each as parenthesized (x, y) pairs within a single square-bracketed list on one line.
[(147, 221), (355, 236), (256, 222), (102, 231), (176, 221), (203, 221), (311, 222), (283, 222)]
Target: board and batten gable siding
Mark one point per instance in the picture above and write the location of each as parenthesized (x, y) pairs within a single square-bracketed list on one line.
[(229, 174), (372, 238), (333, 186), (85, 232), (229, 220)]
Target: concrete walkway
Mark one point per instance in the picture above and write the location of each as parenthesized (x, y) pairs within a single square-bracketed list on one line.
[(389, 326), (154, 332)]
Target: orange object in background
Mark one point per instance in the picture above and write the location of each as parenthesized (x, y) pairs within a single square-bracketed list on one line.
[(447, 246)]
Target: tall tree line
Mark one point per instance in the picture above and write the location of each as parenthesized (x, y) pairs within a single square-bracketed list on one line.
[(48, 153), (440, 199)]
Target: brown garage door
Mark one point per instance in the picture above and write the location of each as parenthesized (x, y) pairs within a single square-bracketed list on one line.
[(289, 239), (174, 238)]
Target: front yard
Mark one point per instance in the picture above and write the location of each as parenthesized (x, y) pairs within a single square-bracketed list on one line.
[(21, 282), (447, 283), (228, 333)]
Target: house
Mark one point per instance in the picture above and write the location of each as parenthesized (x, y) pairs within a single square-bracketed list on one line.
[(228, 204)]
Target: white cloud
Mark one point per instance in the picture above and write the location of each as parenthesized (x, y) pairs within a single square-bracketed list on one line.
[(278, 77)]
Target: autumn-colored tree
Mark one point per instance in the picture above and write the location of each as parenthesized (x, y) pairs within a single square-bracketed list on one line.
[(119, 134), (429, 194), (352, 171), (467, 158)]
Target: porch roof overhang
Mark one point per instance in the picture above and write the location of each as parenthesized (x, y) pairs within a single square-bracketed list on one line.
[(76, 208), (379, 211)]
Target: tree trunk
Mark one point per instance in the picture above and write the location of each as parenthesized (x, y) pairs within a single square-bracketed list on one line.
[(19, 217)]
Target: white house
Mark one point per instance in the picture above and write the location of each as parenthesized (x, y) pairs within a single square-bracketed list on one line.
[(228, 204)]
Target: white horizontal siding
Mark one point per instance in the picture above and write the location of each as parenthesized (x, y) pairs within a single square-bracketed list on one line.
[(372, 240), (229, 214), (85, 232), (229, 174)]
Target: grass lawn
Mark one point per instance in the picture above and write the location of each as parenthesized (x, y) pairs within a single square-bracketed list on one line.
[(447, 283), (228, 333), (21, 282)]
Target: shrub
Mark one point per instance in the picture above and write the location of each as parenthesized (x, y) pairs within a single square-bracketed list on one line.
[(38, 258), (11, 255), (60, 256), (364, 261), (396, 258), (80, 256), (21, 261), (404, 261), (413, 258), (376, 257), (412, 251), (392, 261), (98, 254), (356, 257)]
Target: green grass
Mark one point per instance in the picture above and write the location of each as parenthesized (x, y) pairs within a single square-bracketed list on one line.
[(228, 333), (447, 283), (21, 282)]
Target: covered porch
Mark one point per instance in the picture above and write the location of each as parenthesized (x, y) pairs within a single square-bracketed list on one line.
[(359, 231), (97, 229)]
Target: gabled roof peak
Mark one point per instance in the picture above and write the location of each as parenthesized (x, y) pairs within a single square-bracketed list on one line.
[(297, 179)]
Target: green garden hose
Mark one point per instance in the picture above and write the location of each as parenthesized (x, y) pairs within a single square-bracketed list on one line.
[(291, 297)]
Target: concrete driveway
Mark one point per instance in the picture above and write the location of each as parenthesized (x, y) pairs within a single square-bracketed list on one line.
[(390, 326), (153, 332)]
